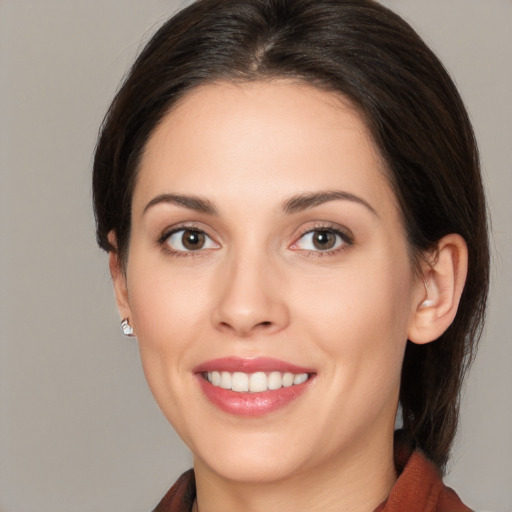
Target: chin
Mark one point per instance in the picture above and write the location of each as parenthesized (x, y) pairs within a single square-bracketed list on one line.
[(252, 466), (248, 454)]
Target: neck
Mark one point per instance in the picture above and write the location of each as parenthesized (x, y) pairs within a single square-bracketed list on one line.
[(359, 483)]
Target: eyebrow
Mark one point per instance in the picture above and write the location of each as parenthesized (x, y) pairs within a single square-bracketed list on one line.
[(309, 200), (195, 203), (295, 204)]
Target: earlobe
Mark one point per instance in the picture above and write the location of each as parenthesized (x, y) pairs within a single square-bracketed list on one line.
[(118, 280), (439, 290)]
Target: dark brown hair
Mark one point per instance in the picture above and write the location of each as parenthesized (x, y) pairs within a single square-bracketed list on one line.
[(368, 54)]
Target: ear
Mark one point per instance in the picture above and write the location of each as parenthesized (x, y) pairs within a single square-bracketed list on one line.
[(118, 279), (439, 290)]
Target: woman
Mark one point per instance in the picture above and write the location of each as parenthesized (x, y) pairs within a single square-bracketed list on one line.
[(289, 191)]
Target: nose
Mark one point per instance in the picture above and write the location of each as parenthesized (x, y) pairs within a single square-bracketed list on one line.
[(251, 298)]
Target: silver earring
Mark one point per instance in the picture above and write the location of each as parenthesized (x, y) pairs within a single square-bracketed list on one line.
[(427, 302), (127, 329)]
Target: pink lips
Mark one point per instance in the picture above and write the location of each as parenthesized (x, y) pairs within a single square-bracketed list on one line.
[(245, 403), (249, 365)]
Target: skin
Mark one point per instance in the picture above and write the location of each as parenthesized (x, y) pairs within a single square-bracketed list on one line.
[(259, 287)]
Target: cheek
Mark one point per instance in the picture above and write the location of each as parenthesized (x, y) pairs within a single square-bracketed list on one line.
[(169, 312), (375, 298), (359, 320), (166, 305)]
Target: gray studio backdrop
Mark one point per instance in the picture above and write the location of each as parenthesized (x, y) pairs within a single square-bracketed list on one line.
[(79, 431)]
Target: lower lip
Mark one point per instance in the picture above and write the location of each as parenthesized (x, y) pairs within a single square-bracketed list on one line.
[(251, 404)]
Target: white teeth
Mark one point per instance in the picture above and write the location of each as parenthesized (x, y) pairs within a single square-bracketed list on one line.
[(258, 382), (255, 382), (240, 382), (225, 380), (300, 378), (215, 378), (275, 381), (287, 380)]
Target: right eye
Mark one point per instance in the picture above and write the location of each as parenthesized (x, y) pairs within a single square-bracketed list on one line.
[(189, 240)]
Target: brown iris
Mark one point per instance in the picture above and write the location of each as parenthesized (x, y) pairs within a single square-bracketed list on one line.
[(324, 240), (193, 240)]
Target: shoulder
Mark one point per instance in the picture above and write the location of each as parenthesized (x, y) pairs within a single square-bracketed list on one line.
[(450, 502)]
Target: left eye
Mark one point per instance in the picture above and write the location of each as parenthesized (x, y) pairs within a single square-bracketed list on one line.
[(319, 240), (189, 240)]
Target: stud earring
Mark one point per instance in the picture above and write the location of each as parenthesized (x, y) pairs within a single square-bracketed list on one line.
[(427, 302), (127, 329)]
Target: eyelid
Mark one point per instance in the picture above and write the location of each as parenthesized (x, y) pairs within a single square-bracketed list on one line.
[(170, 231), (343, 233)]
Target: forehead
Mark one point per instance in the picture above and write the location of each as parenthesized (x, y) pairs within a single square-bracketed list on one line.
[(261, 137)]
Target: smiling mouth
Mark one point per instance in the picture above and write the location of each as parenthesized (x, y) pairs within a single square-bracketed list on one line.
[(254, 382), (252, 387)]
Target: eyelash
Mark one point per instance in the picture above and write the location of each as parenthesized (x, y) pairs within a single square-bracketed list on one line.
[(346, 239), (162, 241)]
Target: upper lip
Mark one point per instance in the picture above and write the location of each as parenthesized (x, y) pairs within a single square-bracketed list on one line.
[(249, 365)]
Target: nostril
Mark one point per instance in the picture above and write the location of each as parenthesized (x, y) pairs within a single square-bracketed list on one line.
[(244, 329), (265, 324)]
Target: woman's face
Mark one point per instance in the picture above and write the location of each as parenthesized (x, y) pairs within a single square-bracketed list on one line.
[(267, 249)]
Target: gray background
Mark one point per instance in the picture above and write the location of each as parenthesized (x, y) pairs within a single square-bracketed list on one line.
[(79, 431)]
